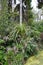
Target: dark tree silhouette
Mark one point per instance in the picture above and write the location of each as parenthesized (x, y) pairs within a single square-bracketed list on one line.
[(40, 3)]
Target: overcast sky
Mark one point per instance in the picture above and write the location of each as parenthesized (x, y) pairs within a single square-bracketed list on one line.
[(34, 5)]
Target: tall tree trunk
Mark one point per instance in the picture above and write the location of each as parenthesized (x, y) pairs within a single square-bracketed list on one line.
[(20, 12)]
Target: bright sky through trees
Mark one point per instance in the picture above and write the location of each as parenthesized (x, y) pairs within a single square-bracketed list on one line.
[(34, 5)]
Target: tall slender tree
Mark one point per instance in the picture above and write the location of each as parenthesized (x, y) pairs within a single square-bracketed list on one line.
[(20, 12)]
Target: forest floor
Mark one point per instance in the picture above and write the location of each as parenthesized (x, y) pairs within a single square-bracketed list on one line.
[(36, 60)]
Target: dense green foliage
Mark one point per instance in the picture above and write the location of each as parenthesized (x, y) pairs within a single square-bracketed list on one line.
[(18, 45), (17, 42)]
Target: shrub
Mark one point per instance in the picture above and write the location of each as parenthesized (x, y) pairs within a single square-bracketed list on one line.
[(22, 36), (14, 59), (38, 26), (2, 41), (3, 60), (18, 33), (22, 41)]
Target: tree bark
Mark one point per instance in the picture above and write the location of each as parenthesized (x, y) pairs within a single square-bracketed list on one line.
[(20, 12)]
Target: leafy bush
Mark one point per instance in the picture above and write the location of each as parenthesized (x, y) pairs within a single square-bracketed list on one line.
[(2, 41), (18, 33), (22, 36), (22, 45), (3, 60), (38, 26), (31, 48), (14, 59)]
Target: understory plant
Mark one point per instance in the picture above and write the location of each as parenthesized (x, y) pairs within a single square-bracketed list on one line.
[(20, 45)]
